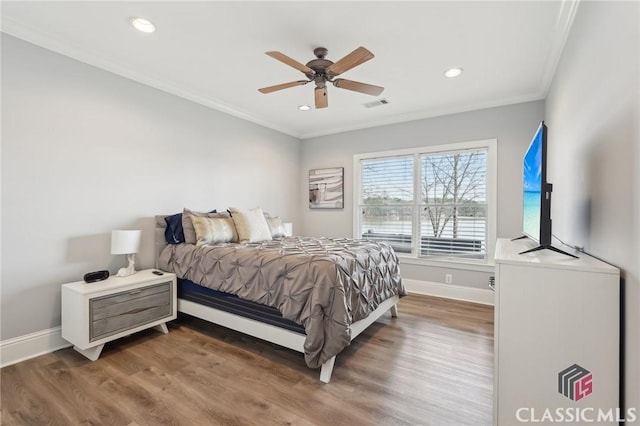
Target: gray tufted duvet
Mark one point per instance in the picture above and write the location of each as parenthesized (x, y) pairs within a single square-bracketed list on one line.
[(323, 284)]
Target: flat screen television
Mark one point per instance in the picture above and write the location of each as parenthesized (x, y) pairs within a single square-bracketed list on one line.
[(536, 193)]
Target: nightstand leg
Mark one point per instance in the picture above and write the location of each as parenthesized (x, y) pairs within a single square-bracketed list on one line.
[(162, 328), (92, 353)]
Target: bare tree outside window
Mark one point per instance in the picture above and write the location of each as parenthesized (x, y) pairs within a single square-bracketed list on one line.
[(453, 197), (441, 213), (453, 186)]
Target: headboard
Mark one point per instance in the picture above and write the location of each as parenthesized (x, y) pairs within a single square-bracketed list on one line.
[(160, 241)]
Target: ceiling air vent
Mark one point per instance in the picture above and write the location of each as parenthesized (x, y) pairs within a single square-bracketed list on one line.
[(376, 103)]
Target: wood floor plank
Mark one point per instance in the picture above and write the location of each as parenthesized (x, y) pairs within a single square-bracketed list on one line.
[(25, 400), (433, 365)]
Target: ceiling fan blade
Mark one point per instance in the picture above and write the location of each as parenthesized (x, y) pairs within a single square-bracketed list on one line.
[(291, 62), (283, 86), (356, 86), (353, 59), (321, 97)]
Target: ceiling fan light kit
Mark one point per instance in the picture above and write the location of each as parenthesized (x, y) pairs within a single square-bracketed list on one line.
[(322, 71)]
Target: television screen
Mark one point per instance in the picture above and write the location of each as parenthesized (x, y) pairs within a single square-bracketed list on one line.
[(536, 194), (533, 181)]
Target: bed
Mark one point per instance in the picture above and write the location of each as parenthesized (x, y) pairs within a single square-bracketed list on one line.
[(312, 295)]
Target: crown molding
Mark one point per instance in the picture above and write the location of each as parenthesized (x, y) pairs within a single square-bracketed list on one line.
[(40, 38), (422, 115), (561, 31), (34, 36)]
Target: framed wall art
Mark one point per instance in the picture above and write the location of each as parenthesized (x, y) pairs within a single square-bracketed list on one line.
[(326, 188)]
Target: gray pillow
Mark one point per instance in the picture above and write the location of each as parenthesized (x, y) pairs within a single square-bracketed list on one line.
[(275, 226)]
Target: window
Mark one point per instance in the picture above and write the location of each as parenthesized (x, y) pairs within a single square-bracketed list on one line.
[(432, 203)]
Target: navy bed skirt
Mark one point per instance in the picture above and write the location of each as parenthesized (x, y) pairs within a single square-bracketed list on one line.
[(188, 290)]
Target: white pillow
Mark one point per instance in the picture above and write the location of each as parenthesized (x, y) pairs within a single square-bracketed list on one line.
[(250, 224), (214, 230)]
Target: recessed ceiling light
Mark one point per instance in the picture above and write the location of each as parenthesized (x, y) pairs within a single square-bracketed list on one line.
[(453, 72), (304, 107), (143, 25)]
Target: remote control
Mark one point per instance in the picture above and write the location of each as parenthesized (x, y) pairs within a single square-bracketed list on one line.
[(157, 272)]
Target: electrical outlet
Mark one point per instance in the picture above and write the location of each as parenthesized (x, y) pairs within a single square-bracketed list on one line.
[(448, 278)]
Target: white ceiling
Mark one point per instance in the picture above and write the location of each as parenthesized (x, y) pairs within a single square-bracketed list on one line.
[(213, 52)]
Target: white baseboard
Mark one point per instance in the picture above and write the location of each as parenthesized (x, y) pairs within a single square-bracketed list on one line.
[(467, 294), (43, 342), (31, 345)]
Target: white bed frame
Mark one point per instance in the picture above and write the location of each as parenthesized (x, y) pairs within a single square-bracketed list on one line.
[(277, 335), (270, 333)]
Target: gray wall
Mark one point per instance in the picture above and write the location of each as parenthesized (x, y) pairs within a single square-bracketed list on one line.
[(513, 126), (85, 152), (592, 110)]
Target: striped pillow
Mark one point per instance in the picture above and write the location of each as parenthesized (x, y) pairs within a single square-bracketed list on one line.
[(213, 230), (187, 224)]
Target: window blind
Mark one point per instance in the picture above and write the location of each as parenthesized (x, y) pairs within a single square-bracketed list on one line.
[(431, 204), (453, 204), (387, 201)]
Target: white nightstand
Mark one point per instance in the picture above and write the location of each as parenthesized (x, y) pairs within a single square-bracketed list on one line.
[(96, 313)]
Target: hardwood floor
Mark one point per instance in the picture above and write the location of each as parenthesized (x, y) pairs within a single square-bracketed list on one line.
[(433, 365)]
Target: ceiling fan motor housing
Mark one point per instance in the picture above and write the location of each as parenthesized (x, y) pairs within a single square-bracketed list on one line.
[(321, 70), (318, 66)]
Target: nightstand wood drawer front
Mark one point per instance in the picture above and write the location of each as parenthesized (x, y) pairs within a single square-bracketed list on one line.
[(104, 306), (121, 311)]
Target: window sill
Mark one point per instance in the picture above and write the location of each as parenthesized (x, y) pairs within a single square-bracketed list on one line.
[(449, 263)]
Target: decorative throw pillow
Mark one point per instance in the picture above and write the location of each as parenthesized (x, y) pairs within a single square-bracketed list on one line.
[(173, 233), (251, 224), (212, 230), (275, 226), (187, 224)]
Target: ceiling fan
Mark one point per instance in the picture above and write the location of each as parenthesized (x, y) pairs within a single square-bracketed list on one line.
[(322, 71)]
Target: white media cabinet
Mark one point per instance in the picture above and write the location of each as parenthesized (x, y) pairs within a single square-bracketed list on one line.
[(551, 313)]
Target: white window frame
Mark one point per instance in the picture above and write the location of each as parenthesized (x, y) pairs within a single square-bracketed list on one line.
[(491, 145)]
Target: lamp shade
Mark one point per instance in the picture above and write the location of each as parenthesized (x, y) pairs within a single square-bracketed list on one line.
[(125, 242)]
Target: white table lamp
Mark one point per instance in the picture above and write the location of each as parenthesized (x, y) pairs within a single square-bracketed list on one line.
[(126, 242)]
